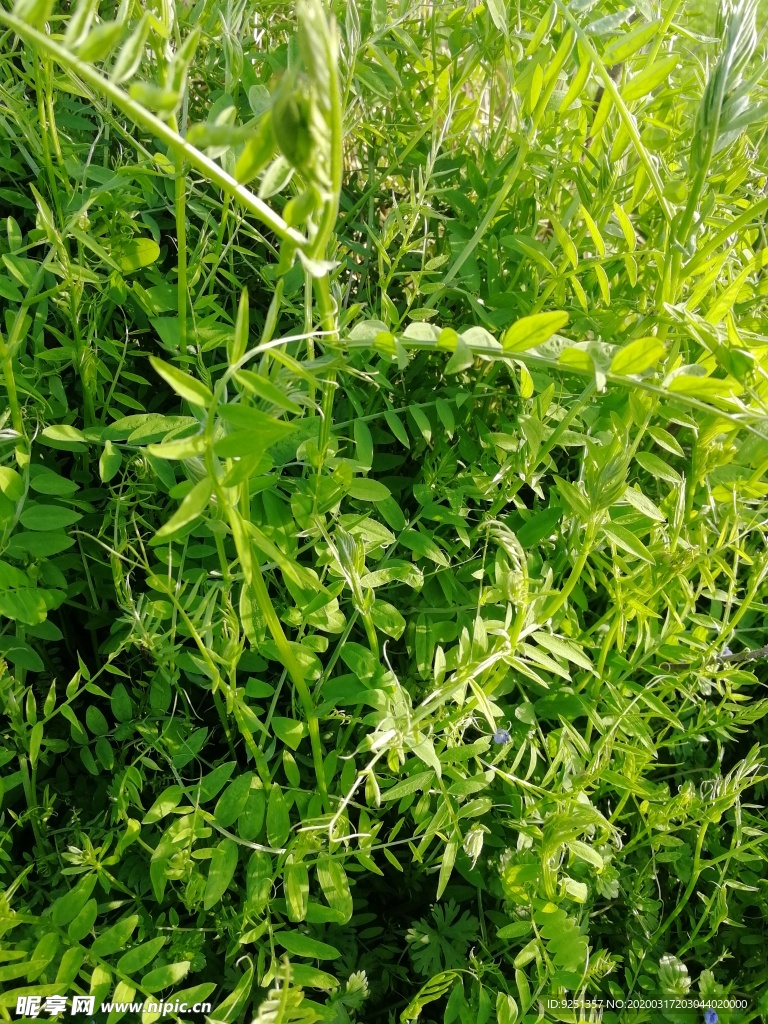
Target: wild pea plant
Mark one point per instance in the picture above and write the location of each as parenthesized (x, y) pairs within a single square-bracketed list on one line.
[(383, 507)]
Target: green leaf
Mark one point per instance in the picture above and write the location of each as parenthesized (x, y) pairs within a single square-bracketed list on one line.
[(47, 482), (136, 253), (531, 331), (335, 885), (644, 504), (82, 924), (423, 546), (637, 356), (135, 959), (363, 489), (182, 448), (363, 443), (182, 383), (48, 517), (626, 540), (586, 853), (220, 872), (232, 801), (109, 462), (278, 820), (193, 504), (35, 739), (387, 618), (461, 359), (11, 484), (233, 1006), (422, 422), (289, 731), (626, 226), (673, 977), (258, 151), (211, 784), (130, 57), (401, 572), (67, 907), (445, 413), (120, 703), (658, 467), (446, 866), (116, 937), (100, 42), (565, 943), (703, 386), (413, 784), (306, 976), (254, 433), (266, 390), (298, 944), (20, 654), (63, 437), (165, 803), (258, 881), (36, 12), (506, 1009), (498, 12), (567, 649), (594, 231), (630, 42), (395, 424), (96, 721), (296, 883), (566, 243), (516, 930), (530, 247), (435, 988), (648, 79), (165, 977), (666, 440)]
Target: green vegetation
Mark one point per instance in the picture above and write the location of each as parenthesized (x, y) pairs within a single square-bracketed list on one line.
[(383, 503)]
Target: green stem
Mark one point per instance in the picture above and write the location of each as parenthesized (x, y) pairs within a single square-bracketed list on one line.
[(327, 307), (336, 128), (559, 599), (222, 713), (329, 325), (697, 185), (42, 118), (10, 387), (89, 412), (30, 793), (695, 872), (370, 632), (181, 236)]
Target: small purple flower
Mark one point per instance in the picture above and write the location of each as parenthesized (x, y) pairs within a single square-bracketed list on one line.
[(710, 1017), (502, 736)]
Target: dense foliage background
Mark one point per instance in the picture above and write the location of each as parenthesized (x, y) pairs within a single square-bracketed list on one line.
[(384, 436)]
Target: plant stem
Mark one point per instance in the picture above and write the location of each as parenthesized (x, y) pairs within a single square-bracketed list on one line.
[(10, 387), (181, 239), (559, 599), (695, 872)]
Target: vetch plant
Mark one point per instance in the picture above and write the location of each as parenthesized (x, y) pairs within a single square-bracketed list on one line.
[(382, 508)]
